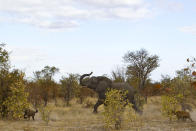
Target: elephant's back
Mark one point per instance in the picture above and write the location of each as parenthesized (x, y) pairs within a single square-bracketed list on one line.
[(122, 85)]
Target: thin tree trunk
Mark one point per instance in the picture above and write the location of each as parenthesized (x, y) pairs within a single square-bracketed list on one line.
[(67, 101), (45, 102), (146, 99), (55, 101)]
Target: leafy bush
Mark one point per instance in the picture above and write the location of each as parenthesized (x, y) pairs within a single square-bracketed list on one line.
[(17, 102), (113, 113), (14, 99), (170, 104)]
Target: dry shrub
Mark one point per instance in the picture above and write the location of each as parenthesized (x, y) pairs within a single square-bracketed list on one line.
[(83, 93), (131, 118), (45, 113), (89, 104)]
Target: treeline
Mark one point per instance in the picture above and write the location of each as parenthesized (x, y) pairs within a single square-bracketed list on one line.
[(18, 93), (44, 88)]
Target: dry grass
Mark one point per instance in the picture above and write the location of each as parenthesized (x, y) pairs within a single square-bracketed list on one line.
[(78, 118)]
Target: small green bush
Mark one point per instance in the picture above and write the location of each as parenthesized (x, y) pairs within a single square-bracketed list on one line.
[(114, 110), (170, 104)]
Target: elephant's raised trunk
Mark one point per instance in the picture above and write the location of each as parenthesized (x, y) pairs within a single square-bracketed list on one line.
[(82, 77)]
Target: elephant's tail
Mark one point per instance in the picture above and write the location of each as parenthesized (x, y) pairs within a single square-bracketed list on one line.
[(82, 77)]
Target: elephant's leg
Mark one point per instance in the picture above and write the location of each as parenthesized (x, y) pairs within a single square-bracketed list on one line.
[(135, 107), (33, 117), (132, 101), (99, 102), (190, 119)]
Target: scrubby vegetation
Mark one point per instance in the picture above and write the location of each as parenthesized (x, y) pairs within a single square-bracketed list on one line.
[(66, 105), (45, 113), (13, 98)]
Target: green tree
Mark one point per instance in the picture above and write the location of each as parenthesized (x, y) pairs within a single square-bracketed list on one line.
[(16, 102), (4, 58), (69, 86), (48, 72), (166, 81), (13, 97), (180, 85), (46, 83), (34, 93), (140, 65)]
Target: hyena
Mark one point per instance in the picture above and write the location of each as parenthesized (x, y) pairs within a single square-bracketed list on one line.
[(29, 113), (183, 115)]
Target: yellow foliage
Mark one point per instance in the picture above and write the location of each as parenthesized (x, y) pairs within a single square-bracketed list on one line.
[(17, 102), (170, 104), (114, 107), (130, 114), (114, 110)]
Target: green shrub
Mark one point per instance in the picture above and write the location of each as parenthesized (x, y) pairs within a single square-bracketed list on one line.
[(170, 104), (113, 113), (16, 102), (13, 98)]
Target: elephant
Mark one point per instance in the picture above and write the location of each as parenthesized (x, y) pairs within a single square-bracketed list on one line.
[(102, 84)]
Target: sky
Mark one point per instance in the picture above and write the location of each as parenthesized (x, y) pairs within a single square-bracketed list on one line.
[(80, 36)]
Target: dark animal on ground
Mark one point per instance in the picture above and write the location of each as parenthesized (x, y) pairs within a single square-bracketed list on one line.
[(30, 113), (102, 84), (182, 115)]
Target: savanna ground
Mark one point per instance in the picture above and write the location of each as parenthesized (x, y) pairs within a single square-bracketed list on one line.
[(78, 118)]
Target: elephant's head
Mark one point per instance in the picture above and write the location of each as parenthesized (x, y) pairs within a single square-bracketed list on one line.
[(94, 82)]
